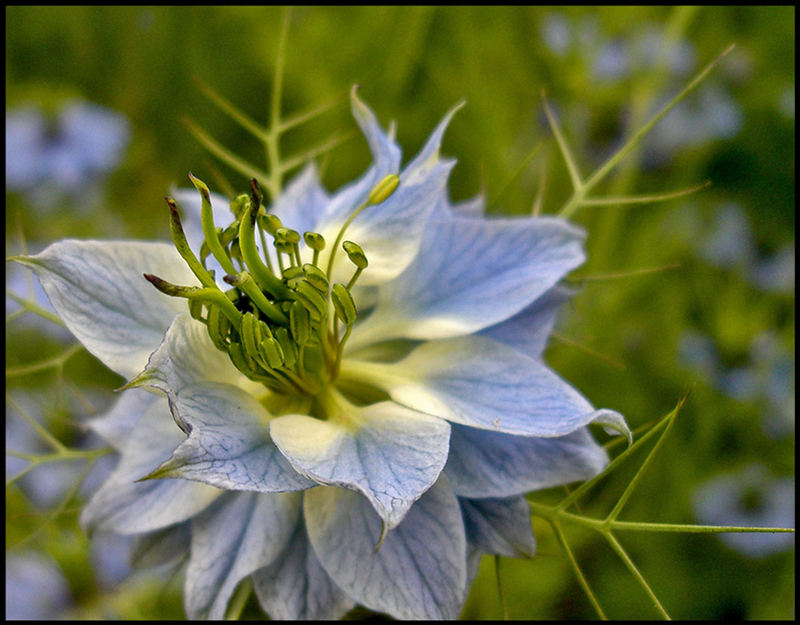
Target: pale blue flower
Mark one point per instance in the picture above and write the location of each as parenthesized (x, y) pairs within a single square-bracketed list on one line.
[(369, 460), (749, 497), (63, 155), (35, 587)]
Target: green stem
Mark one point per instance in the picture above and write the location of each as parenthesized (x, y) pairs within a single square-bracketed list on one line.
[(31, 306), (578, 573), (43, 365)]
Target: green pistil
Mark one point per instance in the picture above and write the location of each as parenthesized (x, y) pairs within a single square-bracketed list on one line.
[(278, 329), (182, 245), (245, 282), (247, 243), (209, 231)]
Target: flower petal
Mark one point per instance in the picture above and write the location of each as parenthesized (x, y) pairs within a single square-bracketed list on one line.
[(491, 464), (391, 232), (471, 274), (115, 427), (419, 571), (162, 546), (98, 290), (499, 526), (528, 330), (239, 534), (386, 160), (392, 455), (187, 356), (296, 587), (228, 444), (484, 384), (125, 506), (428, 157)]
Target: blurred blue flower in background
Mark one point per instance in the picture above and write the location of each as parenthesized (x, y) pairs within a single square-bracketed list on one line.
[(745, 498), (48, 157), (767, 377), (35, 588)]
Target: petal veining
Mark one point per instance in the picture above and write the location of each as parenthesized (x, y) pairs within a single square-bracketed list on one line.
[(239, 534), (97, 289), (296, 587), (228, 444), (125, 506), (483, 463), (470, 274), (392, 456), (186, 356), (499, 526), (481, 383), (419, 571)]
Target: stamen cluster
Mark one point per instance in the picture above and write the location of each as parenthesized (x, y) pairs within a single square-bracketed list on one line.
[(279, 325)]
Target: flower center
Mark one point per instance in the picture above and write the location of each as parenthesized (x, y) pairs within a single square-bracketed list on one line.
[(279, 322)]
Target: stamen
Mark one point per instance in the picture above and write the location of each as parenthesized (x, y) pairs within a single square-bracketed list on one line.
[(291, 238), (346, 312), (357, 257), (316, 242), (379, 193), (256, 197), (316, 277)]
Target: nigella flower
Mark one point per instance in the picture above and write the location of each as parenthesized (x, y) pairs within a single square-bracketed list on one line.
[(360, 399), (749, 497), (63, 155)]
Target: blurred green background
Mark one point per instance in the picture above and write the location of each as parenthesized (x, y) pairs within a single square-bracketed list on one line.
[(717, 315)]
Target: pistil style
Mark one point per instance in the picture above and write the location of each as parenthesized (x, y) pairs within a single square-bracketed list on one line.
[(280, 330)]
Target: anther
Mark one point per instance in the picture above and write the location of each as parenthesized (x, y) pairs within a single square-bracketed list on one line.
[(380, 193), (238, 204), (270, 223), (357, 257), (343, 304), (299, 323), (316, 277), (382, 190), (316, 242)]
